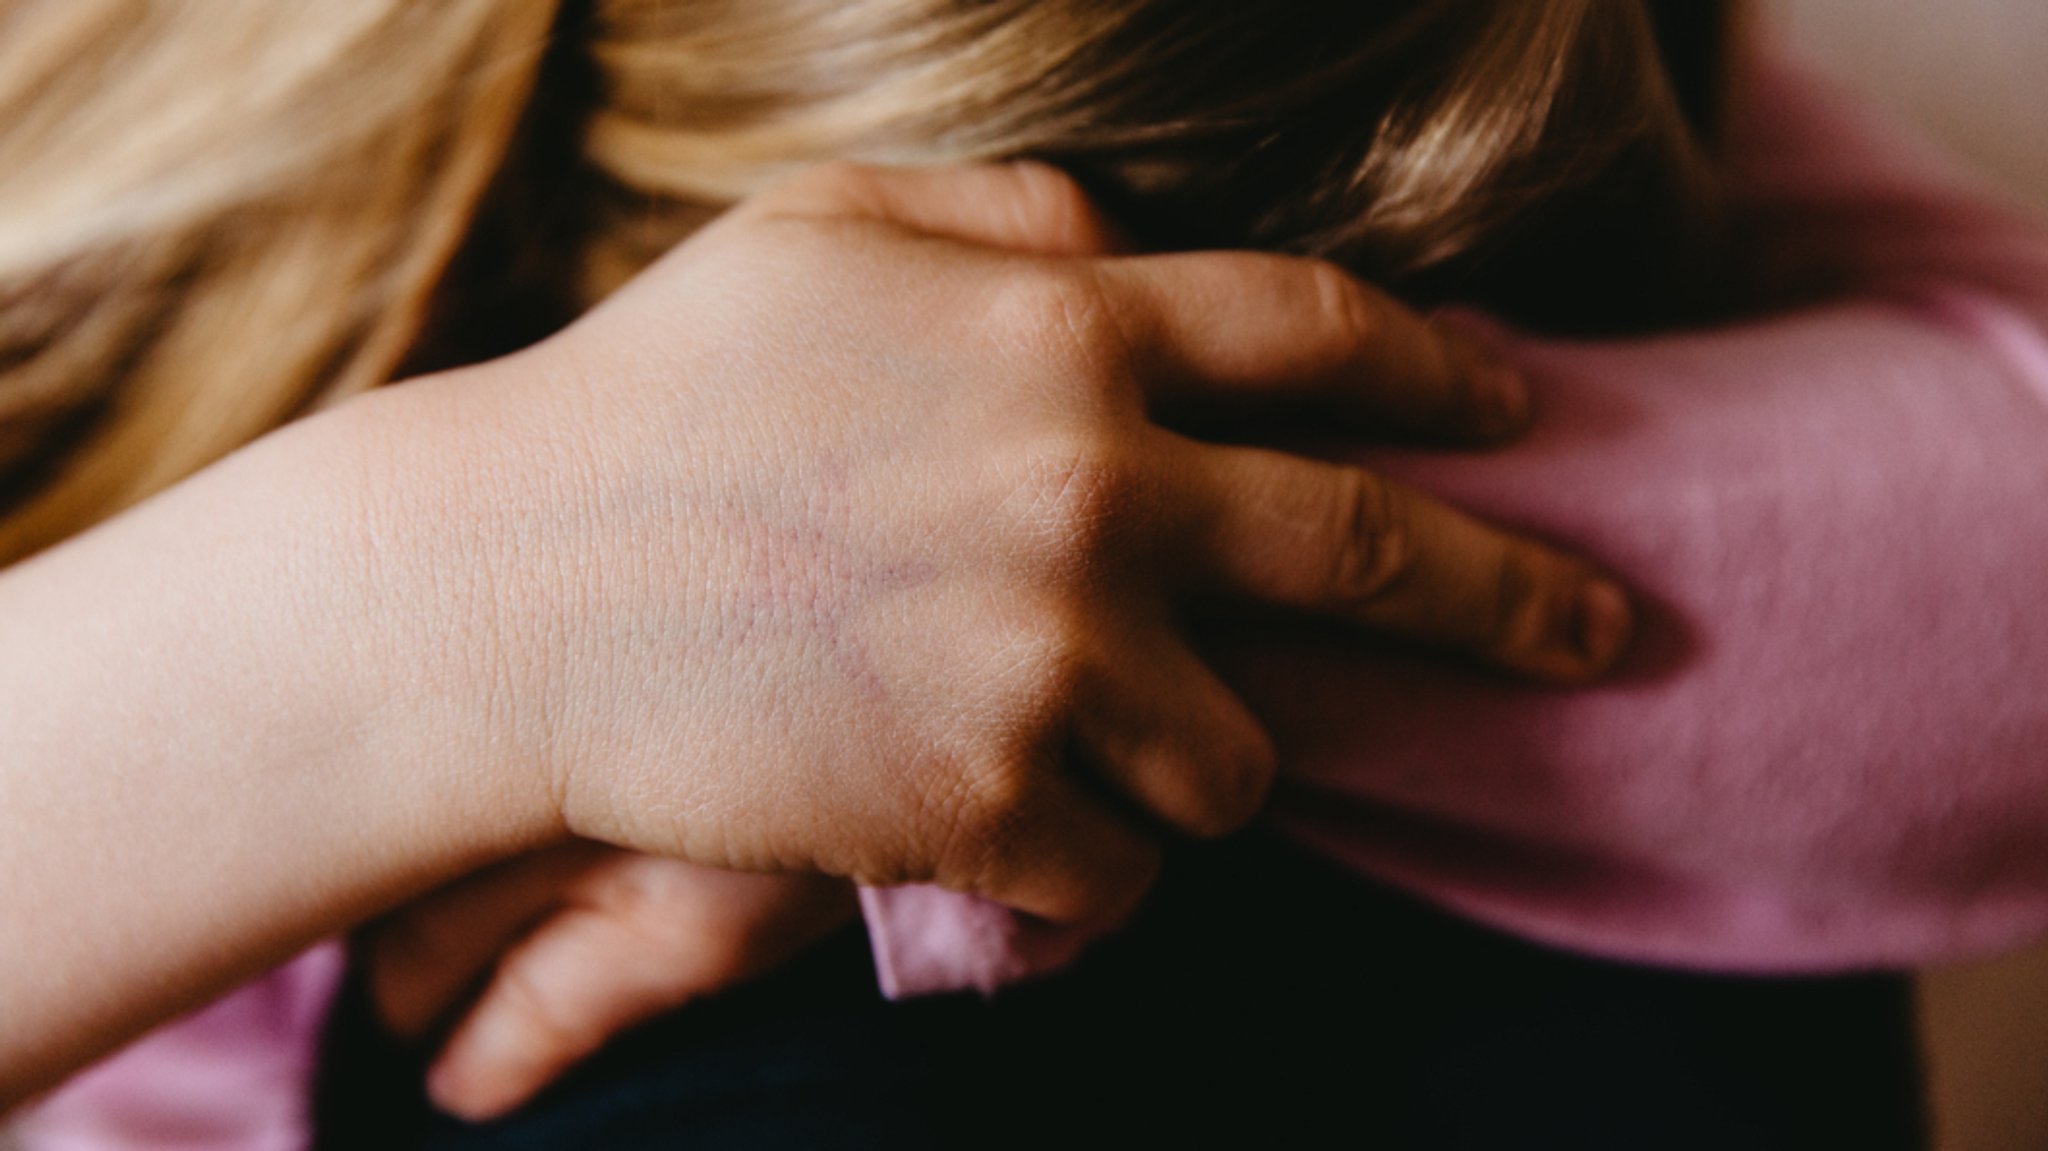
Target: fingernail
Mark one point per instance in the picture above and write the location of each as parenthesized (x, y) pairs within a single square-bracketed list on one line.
[(1500, 391), (1605, 623), (1504, 401)]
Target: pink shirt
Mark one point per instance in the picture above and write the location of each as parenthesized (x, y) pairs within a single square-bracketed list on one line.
[(1831, 747), (1830, 750), (236, 1076)]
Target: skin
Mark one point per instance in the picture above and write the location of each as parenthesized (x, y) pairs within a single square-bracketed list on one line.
[(848, 540), (520, 972)]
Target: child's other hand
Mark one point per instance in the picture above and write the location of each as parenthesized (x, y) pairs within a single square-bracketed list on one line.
[(571, 947)]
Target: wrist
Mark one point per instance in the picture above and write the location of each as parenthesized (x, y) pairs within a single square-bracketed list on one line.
[(437, 648)]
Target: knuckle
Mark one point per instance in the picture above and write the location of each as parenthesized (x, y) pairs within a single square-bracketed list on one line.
[(1373, 534), (1050, 661), (1000, 788), (1080, 508), (992, 792), (1059, 314), (1078, 494)]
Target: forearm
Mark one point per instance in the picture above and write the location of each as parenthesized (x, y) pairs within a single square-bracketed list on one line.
[(735, 570), (218, 742)]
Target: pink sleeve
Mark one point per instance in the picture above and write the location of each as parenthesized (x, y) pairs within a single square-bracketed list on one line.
[(234, 1076), (1831, 749)]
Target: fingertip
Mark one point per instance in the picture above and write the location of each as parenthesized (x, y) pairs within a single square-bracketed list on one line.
[(455, 1089), (1499, 408), (1589, 631), (1558, 618), (1118, 901), (1505, 410), (1055, 214), (486, 1070), (1246, 778), (1106, 894), (1605, 624)]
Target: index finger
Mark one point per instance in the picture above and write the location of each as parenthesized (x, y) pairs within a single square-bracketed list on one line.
[(1239, 329)]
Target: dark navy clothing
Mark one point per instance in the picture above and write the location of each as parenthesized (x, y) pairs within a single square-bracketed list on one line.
[(1262, 998)]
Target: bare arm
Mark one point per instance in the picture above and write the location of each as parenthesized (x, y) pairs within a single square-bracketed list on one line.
[(817, 549), (208, 760)]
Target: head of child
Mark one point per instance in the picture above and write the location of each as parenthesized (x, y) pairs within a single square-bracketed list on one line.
[(209, 229)]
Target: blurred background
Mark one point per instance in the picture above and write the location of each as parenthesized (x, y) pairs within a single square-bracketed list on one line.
[(1972, 73)]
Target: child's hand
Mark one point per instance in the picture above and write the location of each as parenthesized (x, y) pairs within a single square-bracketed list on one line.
[(573, 946)]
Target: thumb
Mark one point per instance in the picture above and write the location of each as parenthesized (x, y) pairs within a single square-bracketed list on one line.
[(659, 936), (555, 999)]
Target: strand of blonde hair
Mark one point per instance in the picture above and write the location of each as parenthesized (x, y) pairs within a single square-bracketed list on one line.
[(225, 214)]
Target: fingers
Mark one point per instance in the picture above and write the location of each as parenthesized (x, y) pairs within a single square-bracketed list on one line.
[(1236, 329), (424, 960), (649, 936), (1250, 331), (577, 981), (1169, 735), (1058, 852), (1341, 541), (1023, 206)]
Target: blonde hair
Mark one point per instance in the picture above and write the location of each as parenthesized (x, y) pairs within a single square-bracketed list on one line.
[(216, 216)]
